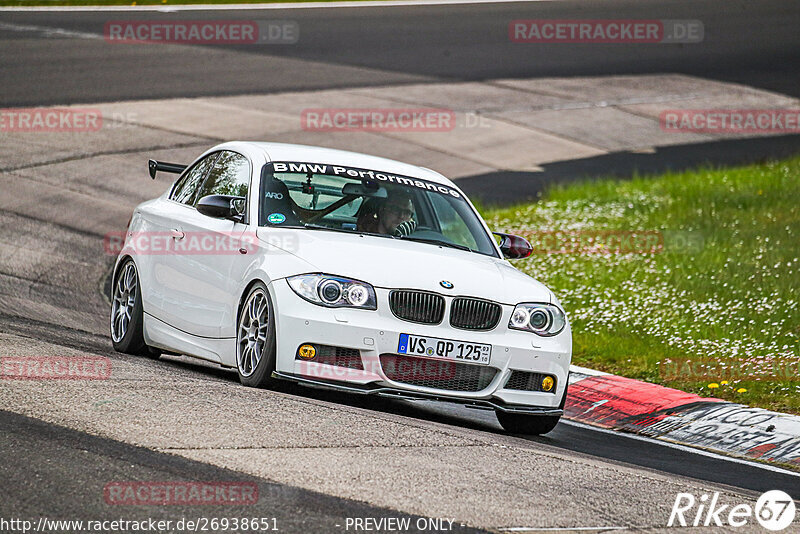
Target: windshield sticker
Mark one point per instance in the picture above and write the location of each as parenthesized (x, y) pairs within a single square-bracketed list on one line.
[(276, 218), (364, 174)]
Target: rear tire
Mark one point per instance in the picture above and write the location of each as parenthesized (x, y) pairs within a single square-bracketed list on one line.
[(255, 339), (127, 316)]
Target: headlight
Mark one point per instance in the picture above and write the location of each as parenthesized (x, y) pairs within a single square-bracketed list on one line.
[(542, 319), (334, 291)]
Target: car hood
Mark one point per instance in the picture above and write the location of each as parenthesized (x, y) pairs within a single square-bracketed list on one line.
[(393, 263)]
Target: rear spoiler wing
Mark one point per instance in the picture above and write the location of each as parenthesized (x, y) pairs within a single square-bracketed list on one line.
[(155, 166)]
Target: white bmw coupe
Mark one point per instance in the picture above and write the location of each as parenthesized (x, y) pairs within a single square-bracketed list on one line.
[(340, 270)]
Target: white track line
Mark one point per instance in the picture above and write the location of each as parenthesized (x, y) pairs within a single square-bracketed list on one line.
[(560, 529), (685, 448), (587, 371), (48, 31), (288, 5)]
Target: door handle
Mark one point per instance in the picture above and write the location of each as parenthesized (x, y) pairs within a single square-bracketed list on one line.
[(177, 234)]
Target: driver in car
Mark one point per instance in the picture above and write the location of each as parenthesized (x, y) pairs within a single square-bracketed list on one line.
[(392, 215)]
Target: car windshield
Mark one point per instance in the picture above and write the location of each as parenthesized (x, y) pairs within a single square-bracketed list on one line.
[(347, 199)]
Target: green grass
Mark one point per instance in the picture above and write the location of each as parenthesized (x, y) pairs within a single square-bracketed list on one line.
[(724, 287), (15, 3)]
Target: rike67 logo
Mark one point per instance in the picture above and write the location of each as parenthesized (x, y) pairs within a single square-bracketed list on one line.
[(774, 510)]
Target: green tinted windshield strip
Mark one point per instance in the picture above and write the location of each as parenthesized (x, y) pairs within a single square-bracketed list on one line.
[(357, 173)]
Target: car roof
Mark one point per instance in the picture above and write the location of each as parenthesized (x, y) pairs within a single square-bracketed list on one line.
[(316, 154)]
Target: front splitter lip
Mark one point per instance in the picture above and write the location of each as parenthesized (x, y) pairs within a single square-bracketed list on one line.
[(394, 393)]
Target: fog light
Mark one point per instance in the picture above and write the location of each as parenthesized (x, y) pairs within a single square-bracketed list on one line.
[(547, 383), (307, 352)]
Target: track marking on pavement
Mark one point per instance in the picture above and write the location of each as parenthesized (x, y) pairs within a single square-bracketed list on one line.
[(560, 529), (48, 31), (288, 5), (586, 371), (685, 448), (77, 157)]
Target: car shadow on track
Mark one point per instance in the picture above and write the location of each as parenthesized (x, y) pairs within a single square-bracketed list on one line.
[(580, 440), (451, 414)]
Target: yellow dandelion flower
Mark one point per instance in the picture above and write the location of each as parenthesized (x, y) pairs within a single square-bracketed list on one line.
[(713, 385), (741, 390)]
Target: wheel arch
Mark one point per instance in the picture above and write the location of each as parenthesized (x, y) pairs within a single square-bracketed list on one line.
[(118, 267), (245, 292)]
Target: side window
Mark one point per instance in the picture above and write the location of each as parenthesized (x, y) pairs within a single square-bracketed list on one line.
[(229, 176), (186, 187)]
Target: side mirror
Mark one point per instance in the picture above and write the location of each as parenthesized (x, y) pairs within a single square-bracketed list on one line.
[(514, 247), (222, 207)]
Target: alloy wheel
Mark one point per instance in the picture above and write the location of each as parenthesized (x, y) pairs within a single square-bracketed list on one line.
[(252, 333), (124, 300)]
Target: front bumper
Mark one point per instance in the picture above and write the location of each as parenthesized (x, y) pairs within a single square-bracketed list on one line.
[(373, 333), (401, 394)]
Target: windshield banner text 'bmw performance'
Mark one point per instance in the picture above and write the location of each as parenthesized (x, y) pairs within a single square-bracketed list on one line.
[(364, 174)]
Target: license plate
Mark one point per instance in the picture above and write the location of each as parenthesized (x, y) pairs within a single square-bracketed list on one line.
[(434, 347)]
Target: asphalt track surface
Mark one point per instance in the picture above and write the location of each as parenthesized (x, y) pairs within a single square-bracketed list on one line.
[(35, 485), (754, 43), (58, 471), (581, 439)]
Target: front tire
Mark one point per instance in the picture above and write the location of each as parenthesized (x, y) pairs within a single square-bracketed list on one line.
[(534, 425), (255, 339), (518, 423), (127, 316)]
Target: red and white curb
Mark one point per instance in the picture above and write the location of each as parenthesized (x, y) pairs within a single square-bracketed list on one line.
[(627, 405)]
